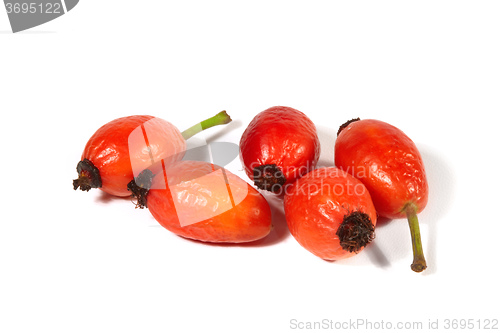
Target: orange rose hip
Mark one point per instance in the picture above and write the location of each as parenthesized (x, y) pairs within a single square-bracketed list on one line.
[(202, 201)]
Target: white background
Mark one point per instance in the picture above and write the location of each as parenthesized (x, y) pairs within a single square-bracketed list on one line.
[(85, 262)]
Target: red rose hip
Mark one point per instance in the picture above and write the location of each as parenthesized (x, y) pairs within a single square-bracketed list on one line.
[(387, 161), (330, 213), (279, 145), (122, 148)]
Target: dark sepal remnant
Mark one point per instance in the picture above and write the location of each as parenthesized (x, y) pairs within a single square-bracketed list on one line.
[(88, 176), (344, 125), (269, 177), (140, 186), (356, 231)]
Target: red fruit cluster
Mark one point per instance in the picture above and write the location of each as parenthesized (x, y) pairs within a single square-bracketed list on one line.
[(331, 211)]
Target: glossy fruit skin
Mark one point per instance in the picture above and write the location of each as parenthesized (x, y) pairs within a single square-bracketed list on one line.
[(108, 149), (315, 207), (387, 161), (283, 136), (195, 204)]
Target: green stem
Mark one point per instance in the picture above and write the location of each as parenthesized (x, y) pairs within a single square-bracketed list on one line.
[(419, 263), (219, 119)]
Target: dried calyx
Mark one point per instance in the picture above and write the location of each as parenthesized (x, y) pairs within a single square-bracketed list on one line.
[(344, 125), (88, 176), (356, 231), (139, 187), (269, 177)]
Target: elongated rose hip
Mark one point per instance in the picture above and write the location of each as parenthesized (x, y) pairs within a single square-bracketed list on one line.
[(389, 164), (202, 201)]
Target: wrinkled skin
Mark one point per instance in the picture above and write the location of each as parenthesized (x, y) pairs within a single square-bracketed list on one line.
[(316, 205), (202, 201), (282, 136), (119, 149), (387, 161)]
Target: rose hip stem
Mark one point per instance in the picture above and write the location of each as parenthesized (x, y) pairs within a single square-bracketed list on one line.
[(219, 119), (419, 263)]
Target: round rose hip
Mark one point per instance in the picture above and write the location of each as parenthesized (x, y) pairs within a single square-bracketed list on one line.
[(279, 145)]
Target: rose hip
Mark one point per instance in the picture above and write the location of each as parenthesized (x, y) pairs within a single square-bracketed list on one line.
[(279, 145), (389, 164), (330, 213), (202, 201), (122, 148)]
